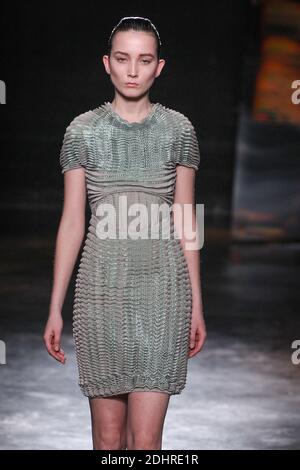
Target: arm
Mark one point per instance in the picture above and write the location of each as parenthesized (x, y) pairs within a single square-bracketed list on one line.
[(184, 194), (68, 242)]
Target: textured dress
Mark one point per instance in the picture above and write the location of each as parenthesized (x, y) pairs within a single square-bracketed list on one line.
[(133, 298)]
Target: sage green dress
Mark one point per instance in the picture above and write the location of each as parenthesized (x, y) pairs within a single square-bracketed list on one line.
[(133, 299)]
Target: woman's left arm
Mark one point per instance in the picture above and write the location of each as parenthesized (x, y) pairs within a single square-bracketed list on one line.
[(185, 194)]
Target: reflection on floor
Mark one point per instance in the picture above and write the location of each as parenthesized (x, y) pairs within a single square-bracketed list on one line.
[(242, 390)]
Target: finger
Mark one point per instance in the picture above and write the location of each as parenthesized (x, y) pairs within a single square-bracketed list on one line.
[(59, 354), (197, 347), (56, 343), (192, 340), (192, 352), (59, 357), (47, 340), (52, 344)]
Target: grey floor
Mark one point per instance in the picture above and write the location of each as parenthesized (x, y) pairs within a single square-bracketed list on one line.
[(242, 390)]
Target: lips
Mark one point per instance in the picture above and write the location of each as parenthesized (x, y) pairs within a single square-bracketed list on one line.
[(131, 83)]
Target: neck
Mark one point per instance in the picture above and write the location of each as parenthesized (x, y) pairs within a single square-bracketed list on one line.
[(131, 109)]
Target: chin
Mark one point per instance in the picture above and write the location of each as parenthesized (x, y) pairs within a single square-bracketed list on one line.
[(132, 93)]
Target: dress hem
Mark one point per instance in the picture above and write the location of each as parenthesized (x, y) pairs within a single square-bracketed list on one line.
[(96, 390)]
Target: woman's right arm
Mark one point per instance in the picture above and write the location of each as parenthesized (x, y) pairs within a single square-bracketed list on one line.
[(68, 242)]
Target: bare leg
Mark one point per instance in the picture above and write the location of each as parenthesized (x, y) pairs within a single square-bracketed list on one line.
[(108, 419), (145, 419)]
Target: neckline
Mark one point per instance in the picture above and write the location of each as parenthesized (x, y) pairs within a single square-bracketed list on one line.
[(123, 122)]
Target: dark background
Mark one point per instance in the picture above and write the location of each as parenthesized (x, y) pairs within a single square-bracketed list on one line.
[(51, 64)]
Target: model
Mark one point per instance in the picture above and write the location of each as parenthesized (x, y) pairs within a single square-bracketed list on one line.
[(137, 312)]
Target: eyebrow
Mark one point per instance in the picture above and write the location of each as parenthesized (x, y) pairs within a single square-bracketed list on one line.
[(125, 53)]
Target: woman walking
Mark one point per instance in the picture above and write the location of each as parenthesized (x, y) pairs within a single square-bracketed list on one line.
[(137, 313)]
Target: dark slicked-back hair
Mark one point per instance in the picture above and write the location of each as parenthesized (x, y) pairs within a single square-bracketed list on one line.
[(135, 23)]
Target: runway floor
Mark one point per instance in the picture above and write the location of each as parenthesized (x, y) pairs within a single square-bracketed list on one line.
[(242, 390)]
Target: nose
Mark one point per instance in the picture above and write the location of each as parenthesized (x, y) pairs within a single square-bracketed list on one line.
[(132, 72)]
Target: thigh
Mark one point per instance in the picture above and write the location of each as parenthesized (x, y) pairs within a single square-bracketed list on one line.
[(109, 413), (146, 412)]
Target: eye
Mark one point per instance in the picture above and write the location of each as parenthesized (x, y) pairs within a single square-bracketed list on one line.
[(122, 59)]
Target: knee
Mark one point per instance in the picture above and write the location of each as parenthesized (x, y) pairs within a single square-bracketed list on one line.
[(143, 440), (108, 440)]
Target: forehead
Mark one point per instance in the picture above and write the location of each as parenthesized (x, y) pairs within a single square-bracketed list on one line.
[(134, 41)]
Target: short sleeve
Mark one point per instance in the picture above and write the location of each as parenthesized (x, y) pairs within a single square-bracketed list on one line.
[(188, 152), (71, 150)]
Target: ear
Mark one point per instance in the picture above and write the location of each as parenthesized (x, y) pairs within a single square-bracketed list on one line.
[(160, 66), (105, 60)]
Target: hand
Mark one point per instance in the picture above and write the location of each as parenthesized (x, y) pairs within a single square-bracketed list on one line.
[(198, 332), (52, 335)]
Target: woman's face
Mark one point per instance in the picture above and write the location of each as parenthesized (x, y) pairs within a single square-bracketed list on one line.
[(133, 58)]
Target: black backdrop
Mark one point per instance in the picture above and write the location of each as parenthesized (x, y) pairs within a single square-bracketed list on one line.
[(52, 68)]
